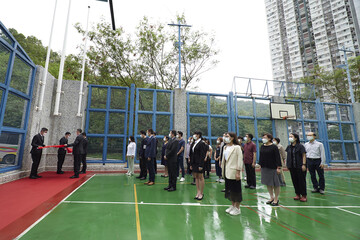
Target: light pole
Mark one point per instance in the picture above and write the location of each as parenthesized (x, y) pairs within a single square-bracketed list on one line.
[(179, 45), (346, 66)]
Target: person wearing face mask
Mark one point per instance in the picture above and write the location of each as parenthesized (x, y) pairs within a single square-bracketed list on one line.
[(315, 158), (130, 154), (207, 169), (296, 163), (142, 159), (240, 139), (156, 152), (180, 156), (197, 157), (78, 151), (276, 141), (231, 165), (270, 162), (250, 161), (163, 160), (187, 155), (37, 141), (171, 158), (150, 155), (218, 170), (62, 153)]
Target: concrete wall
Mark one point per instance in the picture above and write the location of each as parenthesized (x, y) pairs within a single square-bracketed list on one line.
[(57, 125), (356, 110)]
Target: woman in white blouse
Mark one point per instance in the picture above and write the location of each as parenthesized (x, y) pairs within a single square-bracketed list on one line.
[(231, 164), (130, 154)]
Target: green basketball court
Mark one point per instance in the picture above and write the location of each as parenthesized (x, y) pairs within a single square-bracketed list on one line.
[(114, 206)]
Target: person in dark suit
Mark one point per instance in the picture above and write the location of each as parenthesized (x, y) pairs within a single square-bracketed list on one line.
[(78, 150), (83, 156), (37, 141), (62, 153), (197, 160), (142, 159), (171, 158), (150, 154), (156, 152)]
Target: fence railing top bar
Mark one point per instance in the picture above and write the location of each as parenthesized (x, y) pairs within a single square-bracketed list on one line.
[(154, 90), (253, 97), (107, 86), (208, 94)]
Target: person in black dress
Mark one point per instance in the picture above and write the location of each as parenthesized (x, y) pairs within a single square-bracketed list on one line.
[(270, 163), (197, 163), (296, 163), (62, 153), (37, 141)]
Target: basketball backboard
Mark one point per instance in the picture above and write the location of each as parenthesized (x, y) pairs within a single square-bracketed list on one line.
[(282, 111)]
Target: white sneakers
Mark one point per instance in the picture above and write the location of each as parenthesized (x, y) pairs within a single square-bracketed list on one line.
[(221, 180), (182, 179), (233, 211), (217, 180), (129, 173)]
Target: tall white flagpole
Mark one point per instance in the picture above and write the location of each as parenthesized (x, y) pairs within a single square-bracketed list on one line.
[(83, 66), (43, 81), (62, 63)]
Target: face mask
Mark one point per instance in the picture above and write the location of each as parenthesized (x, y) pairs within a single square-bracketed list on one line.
[(129, 140), (194, 137), (44, 134), (309, 138), (245, 139), (239, 140), (218, 142), (274, 142), (264, 140), (227, 140), (164, 139), (177, 136), (291, 140), (170, 135)]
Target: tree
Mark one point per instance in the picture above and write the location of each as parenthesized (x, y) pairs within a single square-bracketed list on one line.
[(149, 60), (335, 83)]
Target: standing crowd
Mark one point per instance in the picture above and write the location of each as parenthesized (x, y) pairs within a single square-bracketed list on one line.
[(232, 155)]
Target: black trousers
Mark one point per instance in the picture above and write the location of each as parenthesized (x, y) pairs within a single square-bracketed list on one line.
[(155, 165), (314, 165), (150, 167), (173, 170), (143, 169), (298, 177), (83, 160), (250, 175), (77, 162), (61, 158), (188, 171), (35, 165)]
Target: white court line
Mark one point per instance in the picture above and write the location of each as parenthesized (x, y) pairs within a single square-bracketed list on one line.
[(40, 219), (340, 208), (200, 205)]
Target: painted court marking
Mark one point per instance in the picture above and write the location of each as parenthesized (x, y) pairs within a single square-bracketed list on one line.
[(40, 219), (201, 205), (137, 215), (340, 208)]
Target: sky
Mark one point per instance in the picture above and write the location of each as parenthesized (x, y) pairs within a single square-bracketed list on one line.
[(239, 26)]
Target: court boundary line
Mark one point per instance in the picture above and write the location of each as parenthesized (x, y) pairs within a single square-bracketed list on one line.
[(138, 230), (203, 205), (341, 209), (51, 210)]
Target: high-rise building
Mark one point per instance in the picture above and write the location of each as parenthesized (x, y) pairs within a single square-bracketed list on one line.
[(306, 33)]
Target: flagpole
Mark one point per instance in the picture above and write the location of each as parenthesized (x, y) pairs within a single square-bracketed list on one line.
[(62, 63), (43, 81), (83, 66)]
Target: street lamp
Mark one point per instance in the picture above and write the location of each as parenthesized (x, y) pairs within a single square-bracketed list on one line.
[(346, 66), (179, 45)]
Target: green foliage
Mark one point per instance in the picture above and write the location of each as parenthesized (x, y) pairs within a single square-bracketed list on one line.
[(335, 84), (150, 58)]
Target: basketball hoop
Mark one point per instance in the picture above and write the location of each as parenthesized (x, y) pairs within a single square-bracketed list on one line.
[(286, 117)]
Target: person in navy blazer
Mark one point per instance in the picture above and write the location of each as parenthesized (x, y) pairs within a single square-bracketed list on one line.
[(37, 141), (150, 155)]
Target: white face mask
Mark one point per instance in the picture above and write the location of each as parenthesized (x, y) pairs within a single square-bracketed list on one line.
[(274, 142), (264, 140), (194, 137), (44, 134), (164, 139), (177, 136), (245, 139), (310, 138), (129, 140), (170, 135), (218, 142), (227, 140), (239, 140), (291, 140)]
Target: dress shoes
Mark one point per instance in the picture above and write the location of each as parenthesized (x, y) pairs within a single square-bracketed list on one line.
[(142, 178), (74, 176), (33, 177), (167, 188), (38, 176), (146, 183), (60, 172), (150, 183), (171, 189), (138, 177), (82, 172)]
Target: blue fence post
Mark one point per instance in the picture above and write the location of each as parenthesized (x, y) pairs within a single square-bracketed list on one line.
[(231, 113), (341, 133), (323, 129), (131, 110)]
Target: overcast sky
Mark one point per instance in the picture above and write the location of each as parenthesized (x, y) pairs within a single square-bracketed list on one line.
[(239, 25)]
